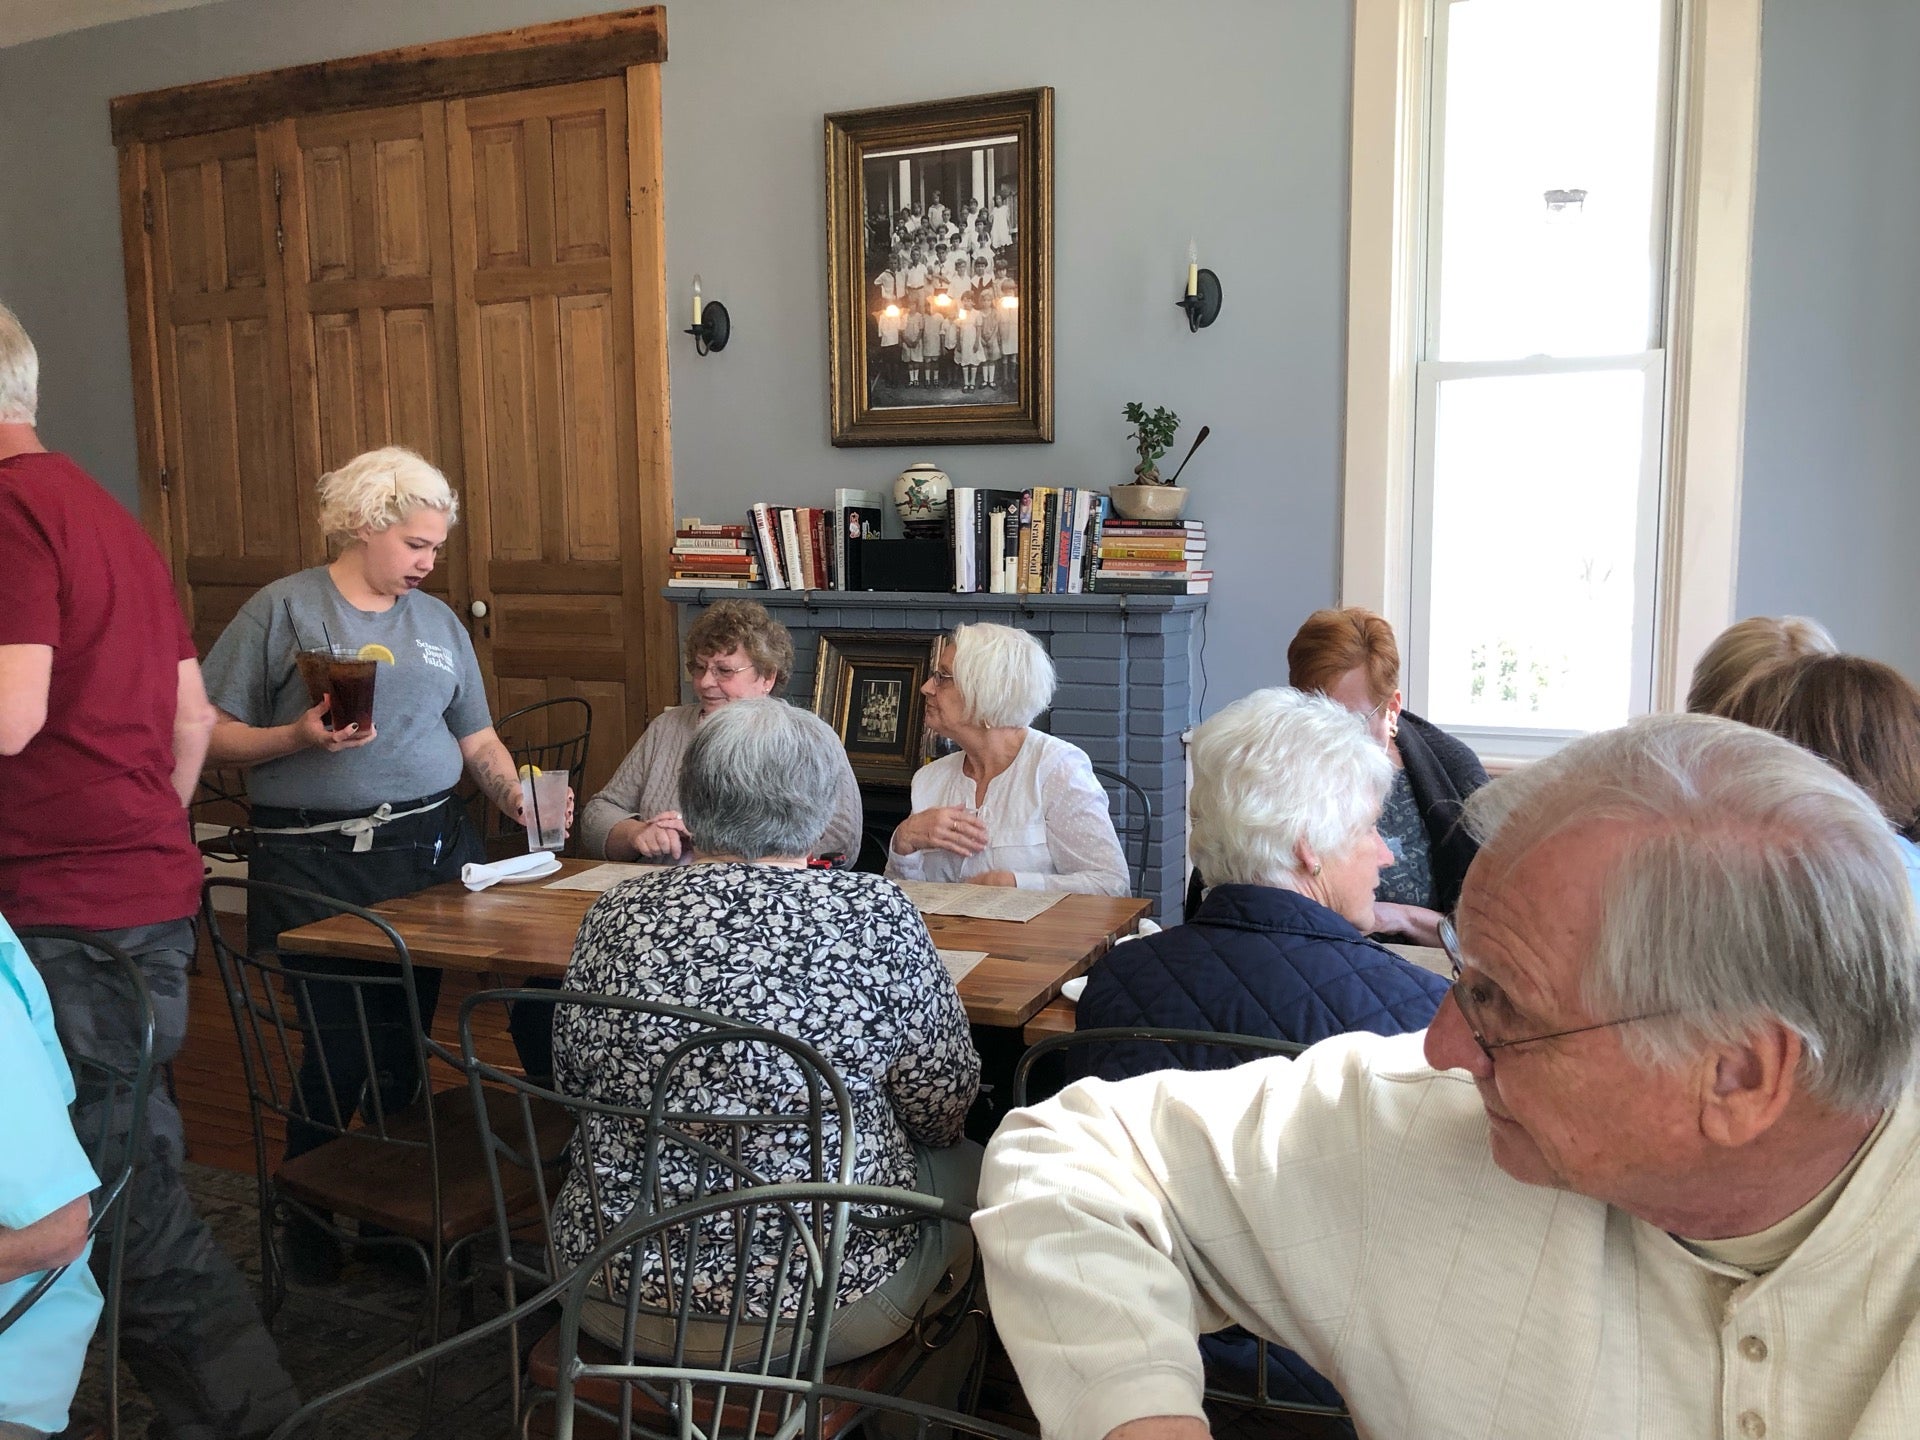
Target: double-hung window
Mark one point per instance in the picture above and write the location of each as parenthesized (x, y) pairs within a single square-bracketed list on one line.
[(1527, 322)]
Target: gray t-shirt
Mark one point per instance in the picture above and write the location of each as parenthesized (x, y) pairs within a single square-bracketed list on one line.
[(424, 704)]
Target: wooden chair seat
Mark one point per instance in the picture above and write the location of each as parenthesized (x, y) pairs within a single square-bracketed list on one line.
[(873, 1372), (390, 1185)]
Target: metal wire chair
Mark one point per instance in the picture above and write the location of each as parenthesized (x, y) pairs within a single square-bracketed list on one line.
[(1132, 821), (790, 1395), (550, 735), (110, 1103), (408, 1164), (1185, 1050), (532, 1130)]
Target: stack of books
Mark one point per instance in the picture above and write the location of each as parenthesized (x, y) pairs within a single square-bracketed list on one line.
[(1152, 557), (712, 556), (1024, 542), (804, 547)]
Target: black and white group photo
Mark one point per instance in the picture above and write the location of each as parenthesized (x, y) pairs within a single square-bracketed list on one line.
[(942, 268)]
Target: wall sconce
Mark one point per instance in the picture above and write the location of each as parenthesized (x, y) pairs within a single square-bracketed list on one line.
[(1202, 300), (711, 328)]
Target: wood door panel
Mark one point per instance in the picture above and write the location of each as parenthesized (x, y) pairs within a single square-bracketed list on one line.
[(412, 364), (499, 198), (329, 191), (589, 401), (337, 402), (581, 223), (403, 245), (221, 369), (508, 419)]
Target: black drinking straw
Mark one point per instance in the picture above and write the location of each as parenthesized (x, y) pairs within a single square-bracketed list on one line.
[(533, 792), (291, 623), (328, 638)]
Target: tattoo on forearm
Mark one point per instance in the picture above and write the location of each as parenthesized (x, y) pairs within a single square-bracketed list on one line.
[(499, 786)]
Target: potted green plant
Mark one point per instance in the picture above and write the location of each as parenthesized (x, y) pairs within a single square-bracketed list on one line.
[(1148, 496)]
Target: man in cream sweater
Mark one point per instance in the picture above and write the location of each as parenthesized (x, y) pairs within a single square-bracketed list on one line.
[(1656, 1173)]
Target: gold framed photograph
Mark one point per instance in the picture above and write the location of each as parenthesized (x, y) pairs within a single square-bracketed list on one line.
[(940, 271), (867, 687)]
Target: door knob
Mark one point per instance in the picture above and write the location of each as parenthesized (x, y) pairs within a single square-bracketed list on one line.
[(478, 609)]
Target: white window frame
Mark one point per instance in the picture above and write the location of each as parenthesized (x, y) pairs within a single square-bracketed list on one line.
[(1703, 394)]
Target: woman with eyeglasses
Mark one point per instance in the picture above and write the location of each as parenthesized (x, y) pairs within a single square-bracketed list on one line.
[(735, 651), (1014, 806)]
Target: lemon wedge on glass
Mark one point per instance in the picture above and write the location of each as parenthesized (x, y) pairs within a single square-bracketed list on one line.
[(527, 772), (376, 652)]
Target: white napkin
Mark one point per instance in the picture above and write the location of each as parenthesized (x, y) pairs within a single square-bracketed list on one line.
[(479, 877), (1072, 988)]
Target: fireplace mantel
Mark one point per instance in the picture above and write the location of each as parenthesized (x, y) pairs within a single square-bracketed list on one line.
[(1124, 663)]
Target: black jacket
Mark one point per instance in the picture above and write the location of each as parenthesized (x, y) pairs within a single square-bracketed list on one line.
[(1443, 773)]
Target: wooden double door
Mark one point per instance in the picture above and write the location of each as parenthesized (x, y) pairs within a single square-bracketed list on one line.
[(457, 276)]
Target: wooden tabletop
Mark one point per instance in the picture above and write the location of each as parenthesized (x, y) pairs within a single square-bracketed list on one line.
[(526, 931)]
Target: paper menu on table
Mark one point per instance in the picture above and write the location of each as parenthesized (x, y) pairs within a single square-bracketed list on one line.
[(603, 877), (960, 963), (979, 902)]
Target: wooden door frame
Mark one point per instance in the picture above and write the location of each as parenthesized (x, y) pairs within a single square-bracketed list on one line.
[(627, 43), (591, 47)]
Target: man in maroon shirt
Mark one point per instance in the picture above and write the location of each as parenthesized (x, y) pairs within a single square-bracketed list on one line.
[(103, 727)]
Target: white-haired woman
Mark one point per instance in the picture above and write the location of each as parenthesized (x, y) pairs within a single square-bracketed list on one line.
[(836, 958), (1286, 797), (1014, 806), (363, 815)]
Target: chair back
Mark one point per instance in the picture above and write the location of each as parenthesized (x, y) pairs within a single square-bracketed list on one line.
[(110, 1107), (270, 996), (549, 735), (759, 1381), (681, 1140), (220, 800), (680, 1402), (1132, 811)]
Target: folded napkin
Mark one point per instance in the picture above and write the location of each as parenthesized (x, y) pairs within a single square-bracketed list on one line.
[(1072, 988), (534, 862)]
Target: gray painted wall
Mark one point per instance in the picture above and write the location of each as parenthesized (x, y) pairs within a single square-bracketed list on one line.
[(1831, 506), (1247, 153)]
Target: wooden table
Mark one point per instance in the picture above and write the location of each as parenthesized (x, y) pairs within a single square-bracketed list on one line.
[(525, 931)]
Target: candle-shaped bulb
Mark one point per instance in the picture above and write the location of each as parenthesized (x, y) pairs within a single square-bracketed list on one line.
[(696, 301), (1193, 268)]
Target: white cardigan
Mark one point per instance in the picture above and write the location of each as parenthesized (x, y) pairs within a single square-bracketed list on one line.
[(1347, 1205), (1046, 816)]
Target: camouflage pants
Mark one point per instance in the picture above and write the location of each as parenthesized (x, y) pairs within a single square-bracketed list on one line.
[(189, 1327)]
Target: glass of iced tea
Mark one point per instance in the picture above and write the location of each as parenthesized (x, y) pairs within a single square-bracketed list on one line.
[(338, 671)]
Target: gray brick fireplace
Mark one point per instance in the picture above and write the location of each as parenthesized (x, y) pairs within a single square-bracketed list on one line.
[(1125, 691)]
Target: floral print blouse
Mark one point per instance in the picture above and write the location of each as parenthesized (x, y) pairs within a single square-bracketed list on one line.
[(836, 958)]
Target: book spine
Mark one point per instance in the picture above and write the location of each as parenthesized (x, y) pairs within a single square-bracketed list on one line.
[(822, 546), (1151, 567), (708, 545), (996, 551), (1133, 585), (1046, 536), (1111, 549), (982, 568), (790, 550), (1077, 554), (1025, 548), (1010, 579), (763, 534), (1090, 562)]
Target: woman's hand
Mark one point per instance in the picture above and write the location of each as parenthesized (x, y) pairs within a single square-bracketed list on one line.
[(1003, 878), (313, 734), (952, 828), (664, 837), (1416, 922)]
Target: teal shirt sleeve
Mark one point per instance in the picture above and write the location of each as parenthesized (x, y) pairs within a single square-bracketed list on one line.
[(46, 1167)]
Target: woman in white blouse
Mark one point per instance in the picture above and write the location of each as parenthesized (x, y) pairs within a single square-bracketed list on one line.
[(1015, 806)]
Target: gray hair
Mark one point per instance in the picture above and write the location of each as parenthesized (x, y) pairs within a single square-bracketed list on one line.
[(1002, 676), (19, 372), (1762, 886), (760, 779), (1276, 768)]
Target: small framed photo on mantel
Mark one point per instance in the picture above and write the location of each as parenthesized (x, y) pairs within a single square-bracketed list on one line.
[(866, 685), (940, 271)]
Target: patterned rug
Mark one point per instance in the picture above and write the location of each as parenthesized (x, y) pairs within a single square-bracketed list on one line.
[(328, 1335)]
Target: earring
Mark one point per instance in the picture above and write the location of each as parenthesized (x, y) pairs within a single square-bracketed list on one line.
[(1316, 868), (1393, 725)]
